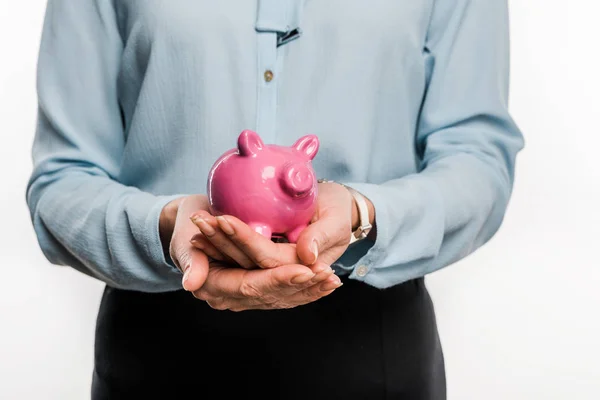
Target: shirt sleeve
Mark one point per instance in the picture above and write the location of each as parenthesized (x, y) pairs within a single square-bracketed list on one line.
[(82, 216), (467, 143)]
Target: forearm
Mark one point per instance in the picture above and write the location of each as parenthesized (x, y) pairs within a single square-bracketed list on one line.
[(82, 215), (466, 143), (432, 219), (103, 229)]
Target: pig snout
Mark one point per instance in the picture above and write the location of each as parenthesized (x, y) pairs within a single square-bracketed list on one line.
[(297, 180)]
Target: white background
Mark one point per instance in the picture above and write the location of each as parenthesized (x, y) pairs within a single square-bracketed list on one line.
[(519, 319)]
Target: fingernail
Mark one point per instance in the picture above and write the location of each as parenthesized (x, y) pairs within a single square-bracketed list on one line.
[(225, 225), (197, 244), (332, 283), (322, 275), (320, 268), (335, 279), (300, 279), (314, 248), (205, 227), (186, 276)]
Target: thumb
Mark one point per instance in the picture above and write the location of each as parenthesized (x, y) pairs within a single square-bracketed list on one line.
[(316, 238), (194, 264)]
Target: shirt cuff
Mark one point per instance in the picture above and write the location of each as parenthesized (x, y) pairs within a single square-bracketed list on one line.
[(361, 257), (405, 213)]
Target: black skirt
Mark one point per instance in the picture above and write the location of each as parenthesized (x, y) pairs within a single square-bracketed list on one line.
[(358, 343)]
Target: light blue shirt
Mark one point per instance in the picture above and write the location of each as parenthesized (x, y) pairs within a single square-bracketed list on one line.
[(137, 99)]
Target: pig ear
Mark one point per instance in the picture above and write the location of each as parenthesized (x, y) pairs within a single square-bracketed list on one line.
[(249, 143), (307, 145)]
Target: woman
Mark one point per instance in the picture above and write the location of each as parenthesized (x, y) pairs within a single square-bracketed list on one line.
[(137, 99)]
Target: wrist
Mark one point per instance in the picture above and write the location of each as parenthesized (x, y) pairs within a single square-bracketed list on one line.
[(356, 219), (166, 222), (362, 213)]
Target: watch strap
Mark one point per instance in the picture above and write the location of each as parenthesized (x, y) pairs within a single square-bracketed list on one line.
[(363, 214)]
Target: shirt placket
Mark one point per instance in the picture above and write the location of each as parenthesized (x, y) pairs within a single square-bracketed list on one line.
[(274, 18)]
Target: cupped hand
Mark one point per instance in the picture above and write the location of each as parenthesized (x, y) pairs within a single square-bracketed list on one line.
[(261, 274), (226, 238), (227, 287), (285, 286)]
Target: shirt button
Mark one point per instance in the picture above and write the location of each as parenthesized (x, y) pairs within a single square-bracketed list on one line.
[(268, 75), (362, 270)]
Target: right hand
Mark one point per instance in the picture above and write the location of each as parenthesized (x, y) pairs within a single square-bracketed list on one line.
[(236, 288), (269, 275), (176, 229)]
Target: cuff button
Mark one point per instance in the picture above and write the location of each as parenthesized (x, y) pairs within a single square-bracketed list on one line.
[(362, 270)]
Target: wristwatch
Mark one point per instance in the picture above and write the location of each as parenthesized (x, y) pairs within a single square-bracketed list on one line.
[(363, 213)]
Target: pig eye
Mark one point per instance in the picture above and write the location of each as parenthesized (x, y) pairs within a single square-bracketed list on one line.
[(307, 145)]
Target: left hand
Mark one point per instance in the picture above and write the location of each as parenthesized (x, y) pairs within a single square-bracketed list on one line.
[(280, 281), (324, 240), (285, 286)]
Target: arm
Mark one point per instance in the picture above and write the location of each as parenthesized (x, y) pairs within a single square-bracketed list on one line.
[(468, 144), (82, 216)]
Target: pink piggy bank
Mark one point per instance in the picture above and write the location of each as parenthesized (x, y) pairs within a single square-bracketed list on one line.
[(271, 188)]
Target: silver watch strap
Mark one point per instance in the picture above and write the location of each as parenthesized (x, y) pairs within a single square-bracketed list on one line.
[(363, 214)]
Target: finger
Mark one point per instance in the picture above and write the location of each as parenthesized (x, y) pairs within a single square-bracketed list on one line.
[(308, 295), (280, 281), (283, 281), (272, 285), (327, 232), (261, 250), (313, 292), (210, 229), (222, 282), (233, 283), (200, 242), (258, 284), (191, 261), (194, 265), (322, 271), (305, 296)]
